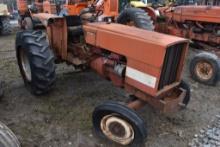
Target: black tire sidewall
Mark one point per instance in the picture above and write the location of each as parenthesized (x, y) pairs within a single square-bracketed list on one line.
[(214, 63), (38, 69), (130, 14), (126, 114)]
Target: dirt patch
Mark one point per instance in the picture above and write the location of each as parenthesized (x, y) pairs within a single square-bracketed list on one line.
[(63, 117)]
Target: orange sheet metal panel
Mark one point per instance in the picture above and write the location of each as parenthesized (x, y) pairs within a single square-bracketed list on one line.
[(75, 9), (197, 13), (144, 50)]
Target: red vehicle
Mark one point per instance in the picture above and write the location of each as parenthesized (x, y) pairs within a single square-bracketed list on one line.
[(200, 24)]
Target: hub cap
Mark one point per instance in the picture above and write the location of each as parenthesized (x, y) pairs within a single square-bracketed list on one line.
[(204, 70), (25, 65), (117, 129)]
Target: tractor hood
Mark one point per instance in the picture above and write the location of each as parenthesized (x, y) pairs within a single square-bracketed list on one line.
[(139, 44), (154, 60)]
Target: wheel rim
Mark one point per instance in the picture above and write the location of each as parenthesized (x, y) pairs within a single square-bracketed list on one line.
[(25, 25), (25, 64), (204, 70), (117, 129)]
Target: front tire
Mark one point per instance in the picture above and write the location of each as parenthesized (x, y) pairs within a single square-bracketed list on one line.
[(136, 17), (36, 61), (119, 124), (7, 137)]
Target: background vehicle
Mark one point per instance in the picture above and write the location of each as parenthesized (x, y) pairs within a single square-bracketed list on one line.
[(200, 24), (5, 26)]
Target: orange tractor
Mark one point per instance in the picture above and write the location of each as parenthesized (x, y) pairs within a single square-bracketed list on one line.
[(148, 65), (201, 24)]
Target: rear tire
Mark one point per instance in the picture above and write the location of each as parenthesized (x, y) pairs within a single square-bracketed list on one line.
[(36, 61), (114, 121), (6, 26), (137, 17), (204, 68), (7, 137)]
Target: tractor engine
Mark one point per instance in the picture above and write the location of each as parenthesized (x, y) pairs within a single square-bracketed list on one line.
[(200, 23)]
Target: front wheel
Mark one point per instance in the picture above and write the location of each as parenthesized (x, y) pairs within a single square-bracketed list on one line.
[(27, 23), (36, 61), (7, 137), (119, 124)]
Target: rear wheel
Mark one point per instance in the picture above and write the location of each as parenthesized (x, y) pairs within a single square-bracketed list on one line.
[(119, 124), (7, 137), (36, 61), (136, 17), (6, 26), (27, 23), (204, 68)]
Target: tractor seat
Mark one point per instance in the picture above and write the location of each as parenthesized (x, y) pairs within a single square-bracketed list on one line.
[(75, 31)]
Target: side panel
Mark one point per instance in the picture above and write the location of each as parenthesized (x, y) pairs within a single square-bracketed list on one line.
[(199, 13)]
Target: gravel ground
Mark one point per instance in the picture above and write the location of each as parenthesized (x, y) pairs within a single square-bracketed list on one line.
[(208, 137), (62, 118)]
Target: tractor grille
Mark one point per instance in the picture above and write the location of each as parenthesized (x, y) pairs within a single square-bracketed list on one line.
[(171, 64)]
